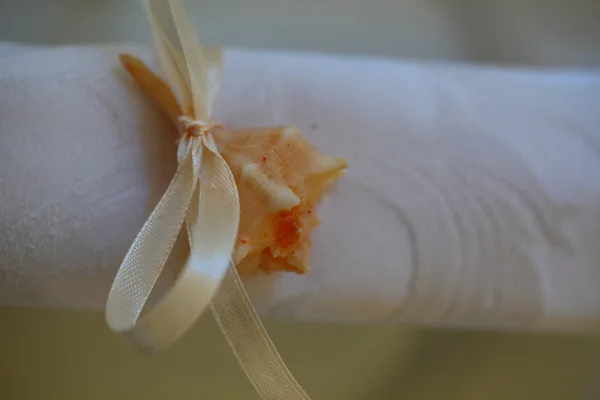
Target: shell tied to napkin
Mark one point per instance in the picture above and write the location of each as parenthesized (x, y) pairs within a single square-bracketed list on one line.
[(243, 196), (281, 179)]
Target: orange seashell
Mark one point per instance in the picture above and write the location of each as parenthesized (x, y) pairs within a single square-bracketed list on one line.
[(281, 178)]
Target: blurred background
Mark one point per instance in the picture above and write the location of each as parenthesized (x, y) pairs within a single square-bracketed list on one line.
[(533, 32), (48, 354)]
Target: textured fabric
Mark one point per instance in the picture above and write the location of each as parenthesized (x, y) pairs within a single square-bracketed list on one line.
[(472, 198)]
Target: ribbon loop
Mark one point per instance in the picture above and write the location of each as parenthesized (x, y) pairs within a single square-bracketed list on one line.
[(147, 256)]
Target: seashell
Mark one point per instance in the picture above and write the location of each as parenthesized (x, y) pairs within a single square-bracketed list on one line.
[(281, 179)]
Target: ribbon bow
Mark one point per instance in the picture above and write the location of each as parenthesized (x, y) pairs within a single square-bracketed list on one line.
[(203, 195)]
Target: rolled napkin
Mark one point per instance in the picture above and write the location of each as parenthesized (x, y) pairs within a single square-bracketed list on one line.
[(472, 197)]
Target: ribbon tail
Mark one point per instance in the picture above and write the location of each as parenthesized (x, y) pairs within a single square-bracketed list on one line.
[(183, 58), (231, 306), (170, 53), (251, 344)]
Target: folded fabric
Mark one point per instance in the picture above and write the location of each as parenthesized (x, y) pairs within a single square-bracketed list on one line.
[(472, 197)]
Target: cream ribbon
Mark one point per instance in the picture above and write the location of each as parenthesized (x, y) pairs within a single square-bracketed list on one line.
[(203, 194)]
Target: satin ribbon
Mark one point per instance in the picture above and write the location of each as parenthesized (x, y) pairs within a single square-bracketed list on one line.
[(203, 196)]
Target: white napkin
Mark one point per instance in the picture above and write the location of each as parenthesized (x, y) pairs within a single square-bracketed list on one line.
[(472, 197)]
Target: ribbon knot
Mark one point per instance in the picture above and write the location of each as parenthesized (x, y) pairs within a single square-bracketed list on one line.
[(195, 128)]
